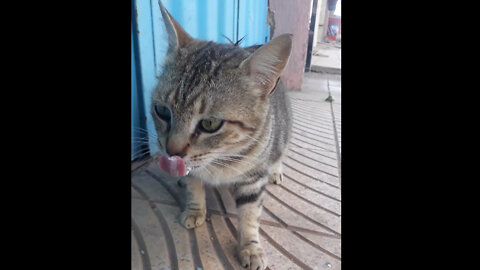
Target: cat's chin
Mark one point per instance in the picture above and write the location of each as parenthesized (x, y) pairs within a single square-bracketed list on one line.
[(217, 178)]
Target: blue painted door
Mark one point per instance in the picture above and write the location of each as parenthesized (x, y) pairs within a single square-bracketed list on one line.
[(202, 19), (138, 130)]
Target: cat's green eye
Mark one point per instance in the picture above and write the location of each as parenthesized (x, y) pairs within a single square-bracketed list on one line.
[(210, 125), (163, 112)]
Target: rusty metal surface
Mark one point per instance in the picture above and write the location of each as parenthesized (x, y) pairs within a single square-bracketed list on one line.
[(301, 221)]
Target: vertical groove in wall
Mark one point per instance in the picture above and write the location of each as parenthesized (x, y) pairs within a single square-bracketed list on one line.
[(153, 35), (238, 19)]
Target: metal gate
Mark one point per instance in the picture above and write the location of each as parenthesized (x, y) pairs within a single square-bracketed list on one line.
[(202, 19)]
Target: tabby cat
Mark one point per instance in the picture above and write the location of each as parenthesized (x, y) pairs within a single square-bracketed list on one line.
[(222, 118)]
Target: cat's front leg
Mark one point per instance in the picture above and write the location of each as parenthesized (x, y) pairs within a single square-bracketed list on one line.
[(195, 208), (249, 199)]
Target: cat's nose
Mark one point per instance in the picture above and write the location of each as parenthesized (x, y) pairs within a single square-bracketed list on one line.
[(175, 149), (180, 154)]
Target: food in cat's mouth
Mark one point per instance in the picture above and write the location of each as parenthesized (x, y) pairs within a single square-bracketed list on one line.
[(172, 165)]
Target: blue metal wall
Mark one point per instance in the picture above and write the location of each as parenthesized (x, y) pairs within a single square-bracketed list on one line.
[(203, 19)]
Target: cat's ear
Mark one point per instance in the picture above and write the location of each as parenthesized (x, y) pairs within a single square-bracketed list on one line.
[(266, 64), (177, 36)]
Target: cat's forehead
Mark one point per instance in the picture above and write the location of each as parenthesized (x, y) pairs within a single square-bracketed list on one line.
[(208, 51), (205, 70)]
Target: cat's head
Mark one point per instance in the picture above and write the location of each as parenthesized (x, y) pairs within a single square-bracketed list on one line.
[(212, 99)]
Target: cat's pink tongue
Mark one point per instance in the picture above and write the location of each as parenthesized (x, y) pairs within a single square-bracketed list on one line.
[(172, 165)]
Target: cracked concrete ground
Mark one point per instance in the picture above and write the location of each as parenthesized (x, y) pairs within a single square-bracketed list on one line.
[(327, 58)]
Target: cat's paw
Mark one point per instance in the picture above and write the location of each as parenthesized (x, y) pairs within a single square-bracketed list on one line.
[(192, 218), (253, 257), (276, 178)]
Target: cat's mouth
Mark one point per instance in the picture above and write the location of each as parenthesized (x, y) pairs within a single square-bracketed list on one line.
[(175, 166), (191, 168)]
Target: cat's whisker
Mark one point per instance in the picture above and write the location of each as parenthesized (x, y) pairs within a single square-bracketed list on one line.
[(141, 144), (142, 129), (145, 137), (145, 131), (227, 166), (141, 136), (204, 166), (248, 136), (140, 153), (235, 160), (244, 161), (142, 149), (140, 140), (236, 155), (158, 154), (229, 157), (138, 157), (207, 170), (141, 132)]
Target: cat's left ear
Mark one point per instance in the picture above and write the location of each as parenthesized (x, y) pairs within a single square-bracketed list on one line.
[(266, 64), (177, 36)]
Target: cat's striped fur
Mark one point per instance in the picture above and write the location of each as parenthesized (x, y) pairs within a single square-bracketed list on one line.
[(240, 86)]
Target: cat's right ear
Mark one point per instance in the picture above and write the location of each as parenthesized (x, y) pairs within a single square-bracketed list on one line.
[(177, 37)]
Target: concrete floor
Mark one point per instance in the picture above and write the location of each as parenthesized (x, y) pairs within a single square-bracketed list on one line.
[(326, 58), (301, 221)]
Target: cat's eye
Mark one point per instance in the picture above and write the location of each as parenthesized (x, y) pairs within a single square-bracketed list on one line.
[(210, 125), (163, 112)]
